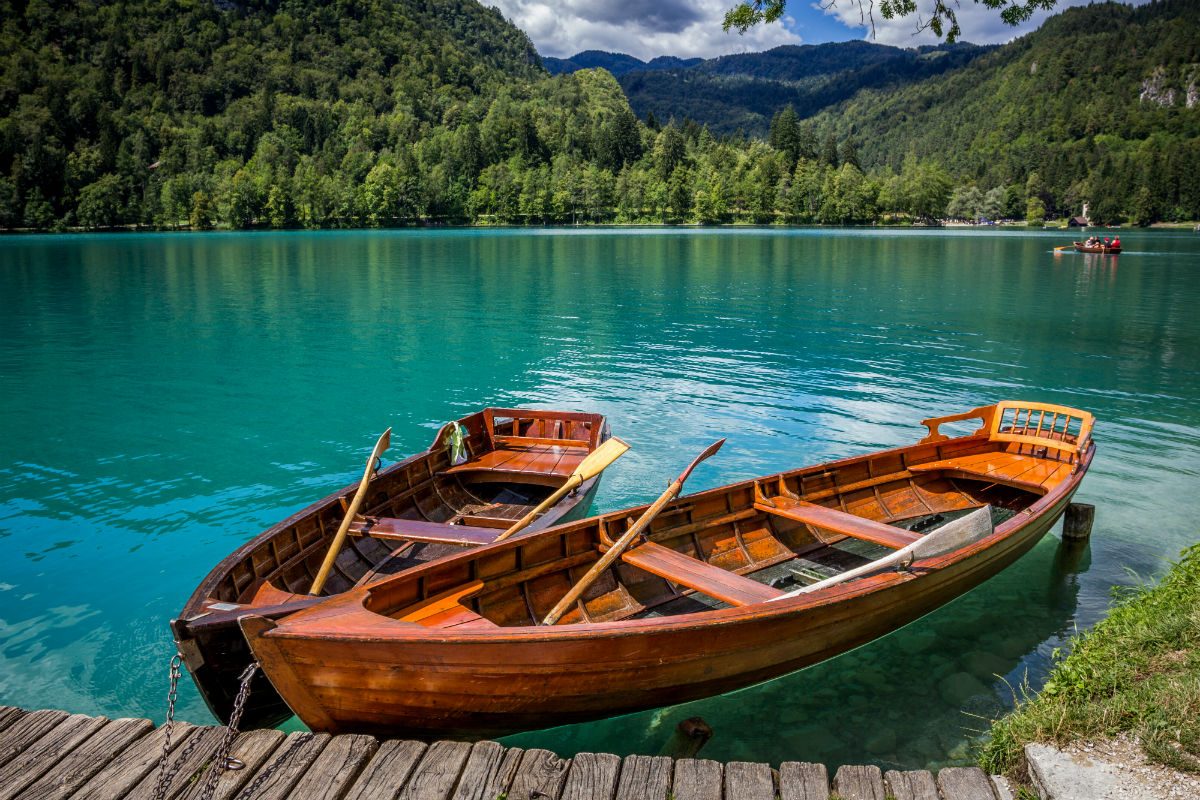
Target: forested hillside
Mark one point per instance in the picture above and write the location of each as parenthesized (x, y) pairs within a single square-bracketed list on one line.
[(294, 113), (155, 110), (1102, 103), (740, 93), (616, 63)]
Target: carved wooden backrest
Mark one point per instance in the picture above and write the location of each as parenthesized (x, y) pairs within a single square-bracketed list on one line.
[(1041, 424)]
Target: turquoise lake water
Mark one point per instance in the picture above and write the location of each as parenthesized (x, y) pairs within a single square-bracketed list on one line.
[(165, 397)]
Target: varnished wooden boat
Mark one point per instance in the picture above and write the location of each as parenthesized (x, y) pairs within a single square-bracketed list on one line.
[(713, 598), (1083, 248), (418, 509)]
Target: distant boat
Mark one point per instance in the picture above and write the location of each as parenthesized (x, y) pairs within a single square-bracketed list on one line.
[(725, 588), (1083, 248), (421, 508)]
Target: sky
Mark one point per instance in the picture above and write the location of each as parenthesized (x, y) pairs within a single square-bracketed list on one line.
[(687, 28)]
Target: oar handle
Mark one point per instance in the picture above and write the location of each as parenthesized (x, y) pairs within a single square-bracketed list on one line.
[(612, 554), (521, 524), (338, 540)]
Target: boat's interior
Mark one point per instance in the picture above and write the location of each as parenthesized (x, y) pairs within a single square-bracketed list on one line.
[(757, 540), (424, 506)]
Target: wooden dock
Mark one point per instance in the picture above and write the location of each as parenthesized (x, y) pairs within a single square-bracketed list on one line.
[(52, 755)]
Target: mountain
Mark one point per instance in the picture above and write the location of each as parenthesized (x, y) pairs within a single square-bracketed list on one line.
[(741, 92), (616, 63), (1101, 102)]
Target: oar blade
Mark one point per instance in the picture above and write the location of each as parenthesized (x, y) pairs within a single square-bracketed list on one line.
[(599, 459), (383, 443), (709, 452)]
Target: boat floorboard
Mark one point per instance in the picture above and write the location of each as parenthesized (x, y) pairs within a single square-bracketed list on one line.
[(50, 754)]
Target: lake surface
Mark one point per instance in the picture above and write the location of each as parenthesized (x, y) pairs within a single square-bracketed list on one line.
[(165, 397)]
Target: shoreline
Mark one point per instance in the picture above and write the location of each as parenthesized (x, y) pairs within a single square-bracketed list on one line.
[(466, 226), (1133, 677)]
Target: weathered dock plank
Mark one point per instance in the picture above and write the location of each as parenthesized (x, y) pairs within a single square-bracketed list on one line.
[(280, 773), (697, 779), (27, 730), (593, 776), (330, 775), (252, 749), (540, 776), (50, 755), (801, 780), (488, 773), (965, 783), (42, 754), (9, 715), (69, 773), (437, 773), (645, 778), (748, 781), (131, 767), (859, 783), (911, 785), (386, 773)]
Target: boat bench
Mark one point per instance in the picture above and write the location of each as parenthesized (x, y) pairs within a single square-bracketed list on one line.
[(415, 530), (837, 521), (726, 586), (446, 610), (543, 463), (1009, 469)]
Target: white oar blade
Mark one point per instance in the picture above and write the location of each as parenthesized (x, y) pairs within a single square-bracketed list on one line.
[(963, 531), (599, 459), (959, 533)]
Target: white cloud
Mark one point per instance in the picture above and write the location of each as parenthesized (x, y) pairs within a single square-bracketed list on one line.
[(683, 28), (980, 24)]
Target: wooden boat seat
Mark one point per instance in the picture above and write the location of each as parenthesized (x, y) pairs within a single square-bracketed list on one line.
[(838, 521), (415, 530), (726, 586), (446, 610), (1010, 469), (534, 462)]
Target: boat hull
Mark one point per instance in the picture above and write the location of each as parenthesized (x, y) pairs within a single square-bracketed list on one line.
[(1103, 250), (394, 679), (212, 645)]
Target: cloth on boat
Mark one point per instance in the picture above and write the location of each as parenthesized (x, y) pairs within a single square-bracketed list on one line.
[(456, 443)]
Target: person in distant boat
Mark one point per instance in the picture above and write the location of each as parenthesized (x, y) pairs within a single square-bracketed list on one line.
[(1116, 243), (1106, 242)]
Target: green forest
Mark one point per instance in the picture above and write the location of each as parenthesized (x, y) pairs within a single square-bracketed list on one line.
[(186, 113)]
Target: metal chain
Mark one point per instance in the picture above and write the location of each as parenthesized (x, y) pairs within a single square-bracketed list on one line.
[(220, 760), (160, 789)]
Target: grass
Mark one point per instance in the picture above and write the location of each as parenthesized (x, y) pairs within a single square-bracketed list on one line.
[(1136, 672)]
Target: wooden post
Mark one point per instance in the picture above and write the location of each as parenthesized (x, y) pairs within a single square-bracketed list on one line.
[(689, 736), (1077, 522)]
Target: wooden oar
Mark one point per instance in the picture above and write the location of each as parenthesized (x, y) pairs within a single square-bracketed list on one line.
[(961, 532), (1064, 247), (614, 552), (382, 444), (595, 463)]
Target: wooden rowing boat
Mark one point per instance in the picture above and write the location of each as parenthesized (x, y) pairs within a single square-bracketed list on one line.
[(1083, 248), (712, 598), (416, 510)]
